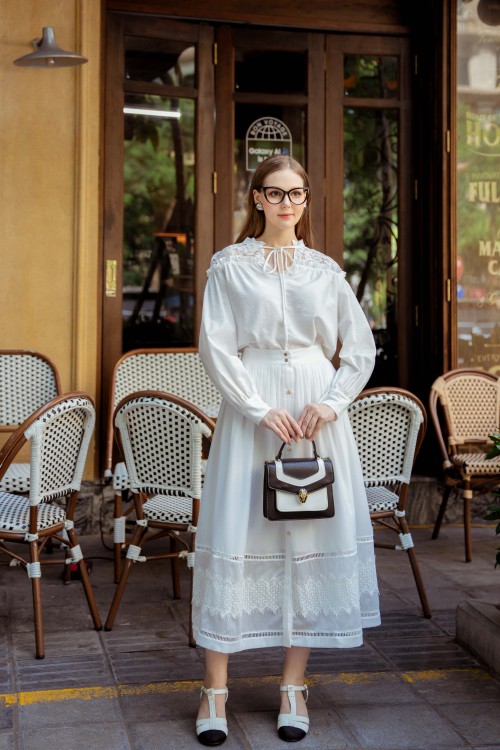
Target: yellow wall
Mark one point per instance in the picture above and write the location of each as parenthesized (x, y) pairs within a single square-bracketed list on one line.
[(49, 194)]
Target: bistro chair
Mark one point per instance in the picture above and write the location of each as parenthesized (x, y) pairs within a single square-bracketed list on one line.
[(58, 435), (465, 409), (178, 371), (160, 438), (389, 425), (28, 380)]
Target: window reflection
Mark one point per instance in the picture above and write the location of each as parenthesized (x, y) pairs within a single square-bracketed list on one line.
[(158, 221), (161, 61), (245, 114), (371, 76), (270, 71), (478, 185), (371, 224)]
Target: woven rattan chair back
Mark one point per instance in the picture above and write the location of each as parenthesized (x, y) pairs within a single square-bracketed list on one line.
[(177, 371), (386, 425), (470, 400), (465, 410), (389, 425), (28, 380), (59, 441), (59, 435), (160, 438)]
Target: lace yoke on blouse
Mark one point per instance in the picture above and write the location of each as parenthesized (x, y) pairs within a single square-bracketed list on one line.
[(289, 258)]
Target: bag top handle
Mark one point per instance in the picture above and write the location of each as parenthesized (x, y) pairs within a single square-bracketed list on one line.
[(278, 457)]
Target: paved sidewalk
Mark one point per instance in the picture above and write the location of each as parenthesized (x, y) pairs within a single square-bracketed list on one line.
[(410, 687)]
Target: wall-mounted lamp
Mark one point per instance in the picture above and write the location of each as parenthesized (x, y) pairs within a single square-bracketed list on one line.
[(48, 54)]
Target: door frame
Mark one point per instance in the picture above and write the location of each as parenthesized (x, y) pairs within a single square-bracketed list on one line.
[(200, 34), (336, 101), (324, 100), (228, 38)]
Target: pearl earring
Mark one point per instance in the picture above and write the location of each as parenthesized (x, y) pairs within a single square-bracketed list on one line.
[(258, 206)]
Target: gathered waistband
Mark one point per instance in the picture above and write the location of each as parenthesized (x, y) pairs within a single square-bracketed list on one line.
[(283, 356)]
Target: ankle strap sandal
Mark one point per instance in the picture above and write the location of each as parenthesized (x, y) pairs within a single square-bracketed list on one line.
[(291, 727), (213, 729)]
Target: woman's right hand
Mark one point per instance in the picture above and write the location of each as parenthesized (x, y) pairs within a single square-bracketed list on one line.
[(282, 424)]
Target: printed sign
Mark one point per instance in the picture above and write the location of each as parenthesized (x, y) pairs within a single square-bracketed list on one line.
[(266, 137)]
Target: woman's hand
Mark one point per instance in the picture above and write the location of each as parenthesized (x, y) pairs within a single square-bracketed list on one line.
[(282, 424), (313, 418)]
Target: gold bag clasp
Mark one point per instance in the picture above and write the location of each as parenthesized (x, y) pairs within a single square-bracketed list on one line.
[(302, 493)]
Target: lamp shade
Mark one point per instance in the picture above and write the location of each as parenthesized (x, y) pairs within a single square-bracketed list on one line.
[(48, 54)]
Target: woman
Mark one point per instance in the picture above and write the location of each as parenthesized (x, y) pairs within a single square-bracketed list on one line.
[(282, 307)]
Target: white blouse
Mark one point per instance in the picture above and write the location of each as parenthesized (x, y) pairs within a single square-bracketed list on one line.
[(281, 299)]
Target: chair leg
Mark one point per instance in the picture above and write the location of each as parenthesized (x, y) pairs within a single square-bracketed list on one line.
[(67, 567), (441, 512), (174, 563), (118, 534), (419, 582), (467, 495), (403, 524), (108, 625), (126, 568), (37, 605), (87, 586)]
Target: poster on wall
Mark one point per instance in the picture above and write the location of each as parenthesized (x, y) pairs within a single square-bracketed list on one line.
[(478, 190)]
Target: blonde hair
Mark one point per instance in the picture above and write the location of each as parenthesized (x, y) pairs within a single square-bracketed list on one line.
[(255, 221)]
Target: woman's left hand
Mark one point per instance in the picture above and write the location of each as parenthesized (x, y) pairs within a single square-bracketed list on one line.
[(313, 418)]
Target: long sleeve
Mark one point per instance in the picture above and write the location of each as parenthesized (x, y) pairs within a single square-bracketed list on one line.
[(357, 354), (218, 351)]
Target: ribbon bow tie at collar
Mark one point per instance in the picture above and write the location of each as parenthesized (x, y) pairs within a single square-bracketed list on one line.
[(279, 259)]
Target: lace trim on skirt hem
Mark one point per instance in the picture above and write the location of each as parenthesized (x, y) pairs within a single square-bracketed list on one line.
[(276, 639), (281, 555)]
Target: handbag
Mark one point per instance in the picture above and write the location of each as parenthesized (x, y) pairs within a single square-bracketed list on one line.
[(297, 488)]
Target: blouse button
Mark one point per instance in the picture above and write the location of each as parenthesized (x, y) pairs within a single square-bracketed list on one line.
[(289, 392)]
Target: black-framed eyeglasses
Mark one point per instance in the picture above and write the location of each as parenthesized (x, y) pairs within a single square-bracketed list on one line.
[(275, 195)]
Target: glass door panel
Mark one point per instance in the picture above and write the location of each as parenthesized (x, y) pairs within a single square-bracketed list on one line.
[(160, 61), (371, 223), (271, 71), (159, 208), (158, 163), (371, 76), (478, 187), (268, 136), (369, 213)]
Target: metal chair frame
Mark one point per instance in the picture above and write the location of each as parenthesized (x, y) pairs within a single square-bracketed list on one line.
[(177, 371), (465, 409), (160, 437), (59, 434), (389, 425)]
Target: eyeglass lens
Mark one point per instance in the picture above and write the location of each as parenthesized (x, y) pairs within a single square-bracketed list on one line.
[(276, 195)]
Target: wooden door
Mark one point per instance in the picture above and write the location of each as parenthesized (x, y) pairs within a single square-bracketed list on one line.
[(370, 189), (345, 102), (158, 199), (216, 98)]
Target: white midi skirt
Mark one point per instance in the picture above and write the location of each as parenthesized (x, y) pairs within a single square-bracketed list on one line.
[(260, 583)]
